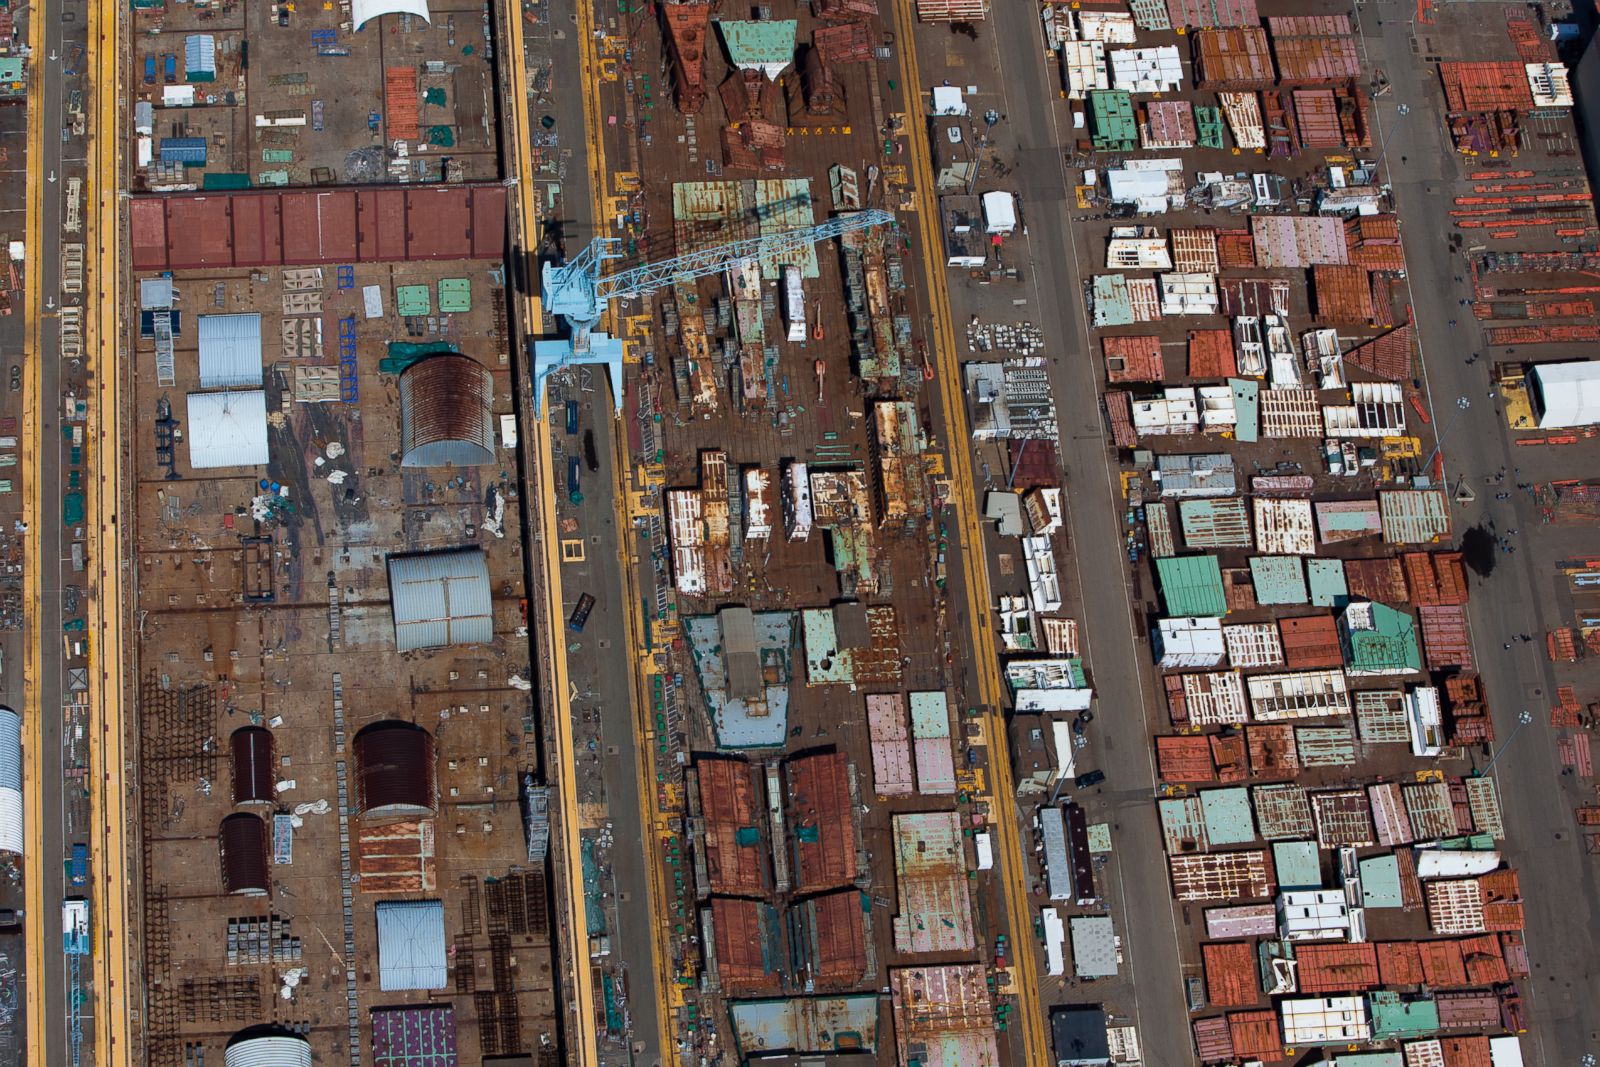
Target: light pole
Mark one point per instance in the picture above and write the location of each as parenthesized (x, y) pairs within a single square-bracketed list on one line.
[(1462, 404), (1401, 111), (1524, 717)]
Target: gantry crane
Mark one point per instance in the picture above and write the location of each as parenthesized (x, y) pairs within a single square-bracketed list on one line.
[(578, 293)]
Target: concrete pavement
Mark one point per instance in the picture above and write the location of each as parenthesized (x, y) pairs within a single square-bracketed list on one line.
[(57, 31), (1561, 885)]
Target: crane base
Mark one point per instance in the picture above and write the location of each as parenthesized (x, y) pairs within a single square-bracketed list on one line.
[(552, 355)]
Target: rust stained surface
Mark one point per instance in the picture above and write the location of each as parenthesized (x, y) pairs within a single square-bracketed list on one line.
[(396, 857)]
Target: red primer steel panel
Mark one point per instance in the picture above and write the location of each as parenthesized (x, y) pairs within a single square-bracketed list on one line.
[(1236, 249), (1231, 973), (1445, 642), (1515, 951), (1502, 901), (819, 797), (1133, 359), (1468, 1010), (1310, 642), (1317, 118), (1177, 707), (1184, 758), (1309, 25), (1382, 580), (1336, 968), (1442, 964), (1341, 293), (1213, 1039), (1236, 59), (838, 936), (1119, 411), (1387, 356), (736, 930), (728, 804), (1485, 87), (1400, 963), (1228, 753), (1211, 354), (1034, 466), (1255, 1033), (1189, 14), (1272, 751), (1315, 60), (1436, 578), (1469, 1051), (1374, 242), (1484, 962), (400, 103), (308, 227)]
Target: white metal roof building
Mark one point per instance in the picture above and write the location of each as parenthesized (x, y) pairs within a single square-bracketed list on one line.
[(10, 781), (1324, 1020), (440, 599), (362, 11), (1565, 394), (227, 429), (1094, 947), (411, 949), (267, 1048), (230, 351)]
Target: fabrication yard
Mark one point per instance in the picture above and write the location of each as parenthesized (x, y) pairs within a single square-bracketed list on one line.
[(342, 859)]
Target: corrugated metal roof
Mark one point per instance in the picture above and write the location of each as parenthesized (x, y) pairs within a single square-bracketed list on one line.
[(411, 945), (155, 293), (1227, 816), (254, 778), (1325, 577), (446, 413), (242, 844), (227, 429), (1094, 946), (11, 830), (1192, 586), (1278, 579), (730, 808), (395, 772), (1380, 882), (822, 813), (252, 1049), (1298, 864), (441, 599)]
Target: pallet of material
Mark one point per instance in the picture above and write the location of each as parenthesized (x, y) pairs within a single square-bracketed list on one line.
[(1243, 112), (1313, 58), (1207, 14), (952, 10), (400, 103), (1485, 86), (1233, 59), (1168, 124)]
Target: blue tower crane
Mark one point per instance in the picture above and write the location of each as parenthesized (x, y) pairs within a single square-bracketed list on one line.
[(579, 293)]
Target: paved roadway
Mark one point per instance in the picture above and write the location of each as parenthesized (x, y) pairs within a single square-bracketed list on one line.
[(1560, 884), (603, 693), (1030, 142), (55, 27)]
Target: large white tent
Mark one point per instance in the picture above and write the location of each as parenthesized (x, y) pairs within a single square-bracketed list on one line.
[(1565, 394)]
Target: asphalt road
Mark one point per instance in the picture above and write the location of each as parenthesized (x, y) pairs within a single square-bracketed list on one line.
[(62, 25), (1559, 883), (1030, 140), (601, 659)]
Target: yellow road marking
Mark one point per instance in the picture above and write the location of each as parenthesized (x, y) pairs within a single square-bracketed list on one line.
[(1010, 861)]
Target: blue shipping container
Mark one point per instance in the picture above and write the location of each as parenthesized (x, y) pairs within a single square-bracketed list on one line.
[(190, 151)]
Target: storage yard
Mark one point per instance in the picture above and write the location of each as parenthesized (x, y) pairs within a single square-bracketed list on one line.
[(343, 856)]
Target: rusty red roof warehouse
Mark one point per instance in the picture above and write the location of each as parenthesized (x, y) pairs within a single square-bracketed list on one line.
[(306, 227), (445, 413), (823, 815), (395, 770), (242, 849), (253, 778)]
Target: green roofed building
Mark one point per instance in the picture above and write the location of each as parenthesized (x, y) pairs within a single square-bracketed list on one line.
[(1379, 640), (767, 46), (1278, 579), (1192, 586)]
